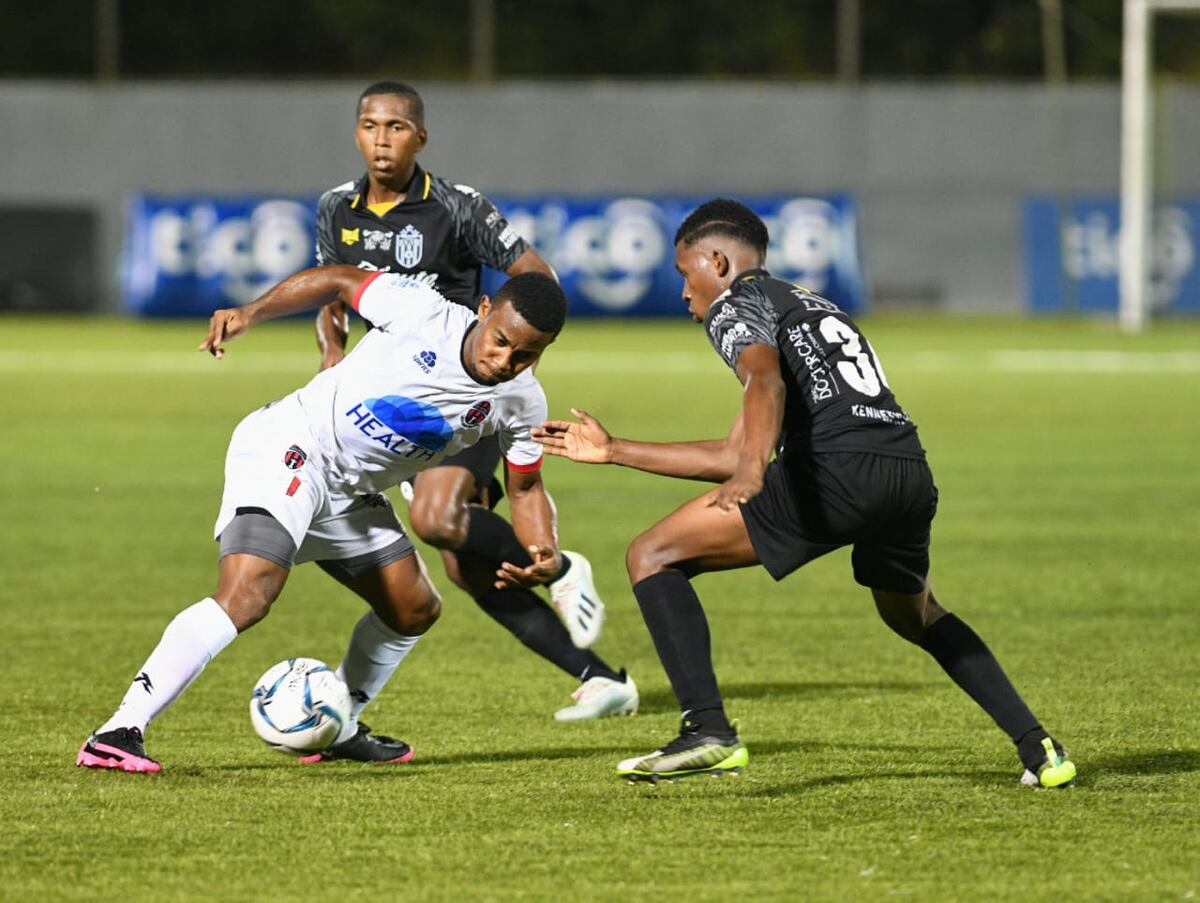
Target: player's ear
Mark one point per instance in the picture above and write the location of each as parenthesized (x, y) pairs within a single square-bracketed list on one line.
[(484, 308), (422, 138), (720, 263)]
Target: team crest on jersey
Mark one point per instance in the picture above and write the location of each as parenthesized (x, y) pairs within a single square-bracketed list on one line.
[(477, 413), (349, 236), (294, 458), (410, 245)]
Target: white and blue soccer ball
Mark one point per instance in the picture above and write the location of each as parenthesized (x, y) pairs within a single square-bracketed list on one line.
[(299, 706)]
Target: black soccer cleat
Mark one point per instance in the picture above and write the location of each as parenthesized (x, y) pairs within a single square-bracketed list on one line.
[(120, 748), (690, 754), (364, 747)]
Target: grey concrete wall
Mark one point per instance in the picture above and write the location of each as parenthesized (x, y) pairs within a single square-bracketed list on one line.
[(939, 171)]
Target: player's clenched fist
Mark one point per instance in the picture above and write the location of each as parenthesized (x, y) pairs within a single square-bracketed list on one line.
[(225, 325), (585, 441)]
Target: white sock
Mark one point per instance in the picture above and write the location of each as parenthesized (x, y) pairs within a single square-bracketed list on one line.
[(189, 643), (375, 652)]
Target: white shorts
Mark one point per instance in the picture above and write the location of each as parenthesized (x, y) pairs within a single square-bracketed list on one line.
[(273, 464)]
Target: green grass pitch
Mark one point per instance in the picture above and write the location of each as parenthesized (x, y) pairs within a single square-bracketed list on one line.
[(1066, 456)]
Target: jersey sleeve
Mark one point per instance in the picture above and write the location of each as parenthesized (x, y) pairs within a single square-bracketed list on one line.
[(524, 409), (484, 235), (736, 321), (326, 246), (385, 299)]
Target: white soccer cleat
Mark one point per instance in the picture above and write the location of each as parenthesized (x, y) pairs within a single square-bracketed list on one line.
[(601, 697), (577, 602)]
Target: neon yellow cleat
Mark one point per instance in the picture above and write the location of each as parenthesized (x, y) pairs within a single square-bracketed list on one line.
[(1056, 770), (688, 755)]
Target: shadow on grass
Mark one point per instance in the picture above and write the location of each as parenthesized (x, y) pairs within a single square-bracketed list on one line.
[(793, 788), (546, 754), (658, 701), (1147, 762)]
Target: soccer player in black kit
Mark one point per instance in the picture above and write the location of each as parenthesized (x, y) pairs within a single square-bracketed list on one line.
[(821, 456), (400, 218)]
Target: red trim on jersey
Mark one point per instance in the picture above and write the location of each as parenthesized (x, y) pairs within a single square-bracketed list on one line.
[(362, 287), (293, 486), (524, 468)]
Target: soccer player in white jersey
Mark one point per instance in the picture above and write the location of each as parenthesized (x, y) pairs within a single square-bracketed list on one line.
[(303, 477)]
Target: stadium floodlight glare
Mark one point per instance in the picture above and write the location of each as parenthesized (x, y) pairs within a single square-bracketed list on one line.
[(1137, 155)]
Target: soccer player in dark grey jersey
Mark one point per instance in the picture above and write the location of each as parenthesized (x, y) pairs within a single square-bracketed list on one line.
[(821, 456), (400, 218)]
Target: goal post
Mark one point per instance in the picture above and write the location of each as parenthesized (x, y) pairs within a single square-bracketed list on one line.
[(1137, 154)]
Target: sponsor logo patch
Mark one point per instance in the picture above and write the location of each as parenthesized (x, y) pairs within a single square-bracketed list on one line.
[(377, 240), (349, 236), (425, 360)]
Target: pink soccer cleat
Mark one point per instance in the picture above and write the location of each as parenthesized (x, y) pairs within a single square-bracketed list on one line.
[(120, 748)]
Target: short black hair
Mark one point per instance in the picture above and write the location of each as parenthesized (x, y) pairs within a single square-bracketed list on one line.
[(538, 298), (400, 89), (722, 216)]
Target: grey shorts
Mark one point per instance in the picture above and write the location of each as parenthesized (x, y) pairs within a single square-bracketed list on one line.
[(255, 532)]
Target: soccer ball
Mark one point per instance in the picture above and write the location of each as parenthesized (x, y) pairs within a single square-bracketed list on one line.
[(299, 706)]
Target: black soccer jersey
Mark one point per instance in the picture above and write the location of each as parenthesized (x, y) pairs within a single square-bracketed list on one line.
[(837, 396), (440, 234)]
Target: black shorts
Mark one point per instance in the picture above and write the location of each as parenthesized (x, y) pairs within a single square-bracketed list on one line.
[(481, 459), (881, 505)]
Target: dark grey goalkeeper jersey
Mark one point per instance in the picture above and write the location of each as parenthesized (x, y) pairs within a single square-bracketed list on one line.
[(440, 235), (837, 395)]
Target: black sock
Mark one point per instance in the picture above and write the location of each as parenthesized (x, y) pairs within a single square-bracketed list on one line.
[(535, 624), (971, 665), (492, 538), (675, 618)]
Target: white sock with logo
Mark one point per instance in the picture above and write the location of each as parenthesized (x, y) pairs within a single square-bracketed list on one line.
[(191, 641), (375, 652)]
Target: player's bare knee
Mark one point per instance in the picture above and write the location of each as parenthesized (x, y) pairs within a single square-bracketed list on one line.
[(441, 528), (246, 602), (415, 616), (247, 587), (902, 612), (647, 555)]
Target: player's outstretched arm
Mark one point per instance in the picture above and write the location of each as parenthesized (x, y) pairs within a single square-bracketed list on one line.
[(587, 441), (306, 290), (533, 522)]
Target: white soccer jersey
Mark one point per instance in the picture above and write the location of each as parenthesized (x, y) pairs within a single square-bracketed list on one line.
[(401, 401)]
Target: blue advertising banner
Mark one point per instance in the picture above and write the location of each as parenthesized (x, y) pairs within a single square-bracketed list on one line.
[(615, 256), (186, 257), (1072, 255)]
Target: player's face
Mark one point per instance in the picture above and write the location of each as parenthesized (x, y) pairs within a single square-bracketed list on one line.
[(502, 344), (705, 271), (389, 137)]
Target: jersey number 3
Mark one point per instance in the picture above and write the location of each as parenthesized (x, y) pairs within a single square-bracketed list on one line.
[(858, 370)]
